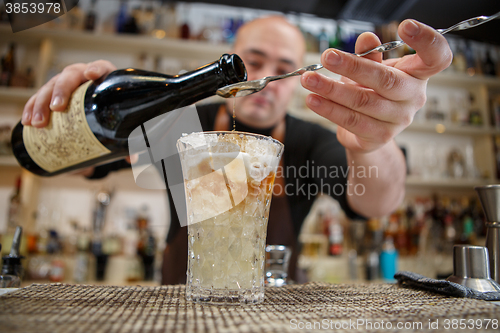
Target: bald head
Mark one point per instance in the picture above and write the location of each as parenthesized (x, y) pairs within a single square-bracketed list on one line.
[(268, 46), (275, 27)]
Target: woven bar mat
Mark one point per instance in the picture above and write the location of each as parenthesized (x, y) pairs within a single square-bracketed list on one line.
[(309, 307)]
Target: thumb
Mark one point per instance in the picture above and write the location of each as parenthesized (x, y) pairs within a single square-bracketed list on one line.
[(433, 52), (367, 41)]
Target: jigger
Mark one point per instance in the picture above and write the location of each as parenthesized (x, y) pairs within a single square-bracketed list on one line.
[(489, 196), (471, 268)]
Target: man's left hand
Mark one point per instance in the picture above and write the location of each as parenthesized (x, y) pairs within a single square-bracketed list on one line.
[(375, 100)]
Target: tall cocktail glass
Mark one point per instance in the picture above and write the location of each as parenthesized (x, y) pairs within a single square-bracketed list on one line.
[(228, 181)]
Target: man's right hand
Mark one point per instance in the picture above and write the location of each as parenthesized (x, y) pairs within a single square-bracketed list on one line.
[(55, 94)]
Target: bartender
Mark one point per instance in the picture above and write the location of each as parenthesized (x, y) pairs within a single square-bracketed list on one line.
[(373, 102)]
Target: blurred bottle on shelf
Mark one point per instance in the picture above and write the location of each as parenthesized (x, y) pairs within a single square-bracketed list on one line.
[(53, 244), (419, 225), (54, 249), (131, 26), (91, 17), (475, 114), (388, 260), (12, 269), (468, 235), (103, 199), (126, 21), (185, 31), (455, 164), (336, 39), (81, 271), (489, 65), (333, 229), (323, 40), (401, 240), (433, 112), (106, 24), (167, 20), (130, 245), (8, 66), (477, 215), (479, 58), (12, 231), (459, 62), (471, 169), (448, 234), (372, 265), (336, 238), (184, 28), (352, 259), (146, 247), (15, 206), (373, 240), (469, 59), (212, 32), (122, 16), (146, 19), (31, 243), (75, 18), (457, 104), (227, 30)]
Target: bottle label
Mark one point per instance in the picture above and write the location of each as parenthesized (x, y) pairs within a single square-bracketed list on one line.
[(67, 139)]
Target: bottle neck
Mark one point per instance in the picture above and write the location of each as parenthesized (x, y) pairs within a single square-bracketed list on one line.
[(127, 98)]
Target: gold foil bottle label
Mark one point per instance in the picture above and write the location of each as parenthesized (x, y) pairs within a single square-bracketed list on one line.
[(67, 139)]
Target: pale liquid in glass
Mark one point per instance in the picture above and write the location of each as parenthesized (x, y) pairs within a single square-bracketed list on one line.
[(227, 233)]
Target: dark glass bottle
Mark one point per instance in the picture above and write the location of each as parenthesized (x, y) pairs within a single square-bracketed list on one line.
[(91, 17), (101, 115), (489, 65), (8, 66), (15, 206)]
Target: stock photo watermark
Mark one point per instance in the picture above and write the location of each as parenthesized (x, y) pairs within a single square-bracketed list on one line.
[(331, 180), (371, 324), (26, 14)]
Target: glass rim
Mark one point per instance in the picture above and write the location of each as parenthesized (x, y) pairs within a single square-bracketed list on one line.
[(265, 137)]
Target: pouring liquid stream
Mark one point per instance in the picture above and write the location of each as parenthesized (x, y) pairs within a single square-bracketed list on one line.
[(234, 113)]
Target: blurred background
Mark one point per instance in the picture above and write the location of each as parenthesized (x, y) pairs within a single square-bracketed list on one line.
[(112, 231)]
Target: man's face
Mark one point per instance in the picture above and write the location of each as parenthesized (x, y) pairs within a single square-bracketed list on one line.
[(267, 48)]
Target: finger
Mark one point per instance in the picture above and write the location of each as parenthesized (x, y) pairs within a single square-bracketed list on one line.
[(70, 78), (28, 111), (387, 81), (132, 159), (367, 41), (391, 62), (433, 52), (363, 126), (97, 69), (73, 76), (41, 110), (355, 97)]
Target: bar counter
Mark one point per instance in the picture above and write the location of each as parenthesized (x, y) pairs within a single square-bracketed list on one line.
[(314, 306)]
